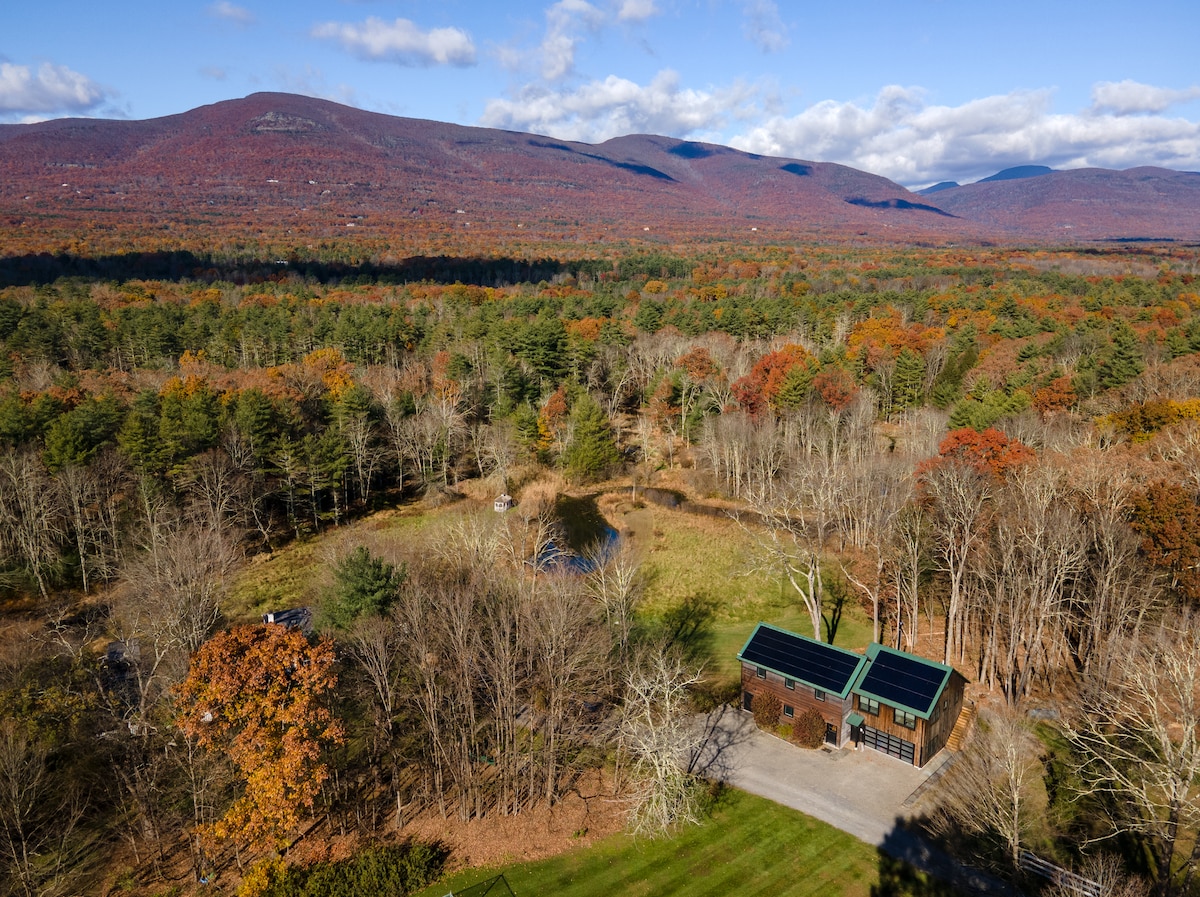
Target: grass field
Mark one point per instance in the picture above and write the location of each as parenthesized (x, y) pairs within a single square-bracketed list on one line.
[(293, 575), (698, 571), (704, 564), (748, 847)]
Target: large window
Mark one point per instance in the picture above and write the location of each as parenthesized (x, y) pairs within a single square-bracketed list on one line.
[(905, 719), (869, 706)]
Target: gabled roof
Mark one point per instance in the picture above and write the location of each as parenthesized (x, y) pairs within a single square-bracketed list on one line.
[(903, 680), (818, 665)]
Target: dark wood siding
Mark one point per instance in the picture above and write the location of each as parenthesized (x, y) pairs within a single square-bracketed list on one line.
[(941, 724), (833, 709), (929, 736)]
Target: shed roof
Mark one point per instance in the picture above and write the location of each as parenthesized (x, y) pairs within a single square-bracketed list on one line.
[(816, 664), (903, 680)]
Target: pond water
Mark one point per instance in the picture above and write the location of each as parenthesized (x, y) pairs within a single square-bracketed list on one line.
[(560, 557)]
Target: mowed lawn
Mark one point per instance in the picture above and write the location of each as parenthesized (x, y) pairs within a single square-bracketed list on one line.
[(749, 846)]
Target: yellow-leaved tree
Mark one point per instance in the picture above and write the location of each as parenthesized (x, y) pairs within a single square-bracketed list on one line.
[(258, 694)]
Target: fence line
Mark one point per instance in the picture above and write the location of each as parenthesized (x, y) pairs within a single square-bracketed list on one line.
[(1034, 864)]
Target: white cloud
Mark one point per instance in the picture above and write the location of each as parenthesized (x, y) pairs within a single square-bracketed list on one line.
[(636, 10), (230, 12), (51, 89), (401, 42), (599, 110), (564, 21), (1130, 98), (764, 26), (904, 138)]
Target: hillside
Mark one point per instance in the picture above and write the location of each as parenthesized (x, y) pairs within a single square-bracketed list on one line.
[(1084, 205), (291, 172), (281, 167)]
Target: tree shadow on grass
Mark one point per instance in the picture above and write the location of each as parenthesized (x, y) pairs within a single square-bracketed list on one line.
[(911, 865), (839, 595), (899, 879), (583, 524), (686, 628)]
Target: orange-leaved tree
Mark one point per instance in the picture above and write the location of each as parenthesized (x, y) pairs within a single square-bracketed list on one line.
[(260, 694), (992, 452)]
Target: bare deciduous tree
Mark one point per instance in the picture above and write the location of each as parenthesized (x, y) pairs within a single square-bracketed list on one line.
[(38, 814), (794, 522), (168, 606), (871, 505), (960, 495), (657, 732), (90, 496), (1102, 875), (30, 516), (992, 789), (1141, 747), (614, 580)]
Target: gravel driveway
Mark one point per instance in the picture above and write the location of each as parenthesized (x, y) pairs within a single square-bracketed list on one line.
[(861, 792)]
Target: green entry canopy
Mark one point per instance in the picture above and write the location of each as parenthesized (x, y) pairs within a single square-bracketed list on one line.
[(855, 719)]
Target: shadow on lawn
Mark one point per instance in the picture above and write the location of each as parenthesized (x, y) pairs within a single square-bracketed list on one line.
[(688, 628), (912, 866)]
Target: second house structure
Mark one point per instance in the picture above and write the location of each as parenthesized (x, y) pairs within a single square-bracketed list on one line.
[(889, 700)]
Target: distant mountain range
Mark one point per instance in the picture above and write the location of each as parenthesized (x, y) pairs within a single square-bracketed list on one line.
[(286, 167)]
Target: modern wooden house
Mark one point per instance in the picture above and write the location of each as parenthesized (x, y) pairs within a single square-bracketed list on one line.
[(802, 673), (888, 700), (908, 705)]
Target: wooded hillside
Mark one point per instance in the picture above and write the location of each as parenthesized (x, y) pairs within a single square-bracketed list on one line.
[(993, 453)]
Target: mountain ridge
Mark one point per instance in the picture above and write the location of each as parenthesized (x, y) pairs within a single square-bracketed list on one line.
[(283, 166)]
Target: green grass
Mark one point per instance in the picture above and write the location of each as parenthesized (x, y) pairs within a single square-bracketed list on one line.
[(270, 582), (697, 566), (748, 847), (286, 577), (706, 562)]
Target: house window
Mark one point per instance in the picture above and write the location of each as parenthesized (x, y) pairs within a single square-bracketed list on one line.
[(869, 706), (789, 684), (905, 719), (937, 712), (788, 711), (818, 694), (762, 672)]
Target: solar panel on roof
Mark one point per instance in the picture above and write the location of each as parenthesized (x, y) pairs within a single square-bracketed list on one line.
[(898, 679), (816, 663)]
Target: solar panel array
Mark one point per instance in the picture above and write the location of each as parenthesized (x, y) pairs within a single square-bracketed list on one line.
[(823, 666), (897, 679)]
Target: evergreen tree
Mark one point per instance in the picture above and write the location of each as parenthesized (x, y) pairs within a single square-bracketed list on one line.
[(796, 386), (1124, 360), (363, 585), (908, 387), (592, 449)]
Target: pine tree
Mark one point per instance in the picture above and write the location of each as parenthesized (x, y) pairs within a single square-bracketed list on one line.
[(908, 387), (1124, 360), (592, 449), (363, 585)]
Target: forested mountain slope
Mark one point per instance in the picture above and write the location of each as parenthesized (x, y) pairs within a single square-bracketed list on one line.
[(291, 170)]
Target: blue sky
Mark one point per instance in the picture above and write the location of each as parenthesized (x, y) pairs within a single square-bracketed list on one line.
[(916, 90)]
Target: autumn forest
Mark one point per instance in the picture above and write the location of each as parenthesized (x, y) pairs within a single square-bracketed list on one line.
[(991, 455)]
